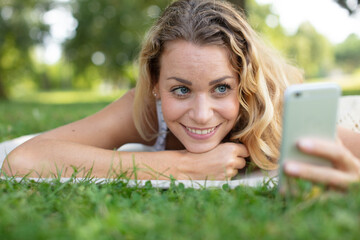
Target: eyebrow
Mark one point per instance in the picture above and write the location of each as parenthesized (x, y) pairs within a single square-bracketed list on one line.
[(213, 82), (180, 80), (187, 82)]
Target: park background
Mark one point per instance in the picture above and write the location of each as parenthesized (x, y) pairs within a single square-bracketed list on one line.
[(89, 45)]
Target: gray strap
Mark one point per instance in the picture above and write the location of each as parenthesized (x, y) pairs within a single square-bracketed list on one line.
[(160, 144)]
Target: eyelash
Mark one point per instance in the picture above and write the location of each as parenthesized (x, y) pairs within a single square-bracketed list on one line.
[(178, 88), (227, 86)]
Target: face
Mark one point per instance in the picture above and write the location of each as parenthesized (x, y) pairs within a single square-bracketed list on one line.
[(198, 90)]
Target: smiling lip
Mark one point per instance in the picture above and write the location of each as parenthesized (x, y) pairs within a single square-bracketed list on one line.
[(200, 133)]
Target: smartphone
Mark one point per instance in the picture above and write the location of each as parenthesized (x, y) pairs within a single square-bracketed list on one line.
[(309, 110)]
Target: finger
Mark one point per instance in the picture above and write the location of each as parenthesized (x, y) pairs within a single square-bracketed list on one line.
[(240, 163), (231, 173), (236, 163), (239, 149), (242, 151), (331, 150), (318, 174)]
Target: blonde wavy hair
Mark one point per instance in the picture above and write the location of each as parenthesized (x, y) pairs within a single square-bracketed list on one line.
[(263, 73)]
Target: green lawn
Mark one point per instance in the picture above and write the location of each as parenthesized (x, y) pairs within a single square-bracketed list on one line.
[(20, 118), (86, 210)]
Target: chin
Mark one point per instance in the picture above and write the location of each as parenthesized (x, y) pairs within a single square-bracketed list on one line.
[(200, 148)]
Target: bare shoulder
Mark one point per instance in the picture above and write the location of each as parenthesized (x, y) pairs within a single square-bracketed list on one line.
[(109, 128)]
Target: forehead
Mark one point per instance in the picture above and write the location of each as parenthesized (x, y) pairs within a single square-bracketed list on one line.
[(187, 56), (181, 48)]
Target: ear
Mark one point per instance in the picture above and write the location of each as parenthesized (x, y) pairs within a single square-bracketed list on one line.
[(156, 91)]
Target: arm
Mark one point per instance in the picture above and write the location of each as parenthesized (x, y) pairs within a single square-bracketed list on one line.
[(57, 155), (182, 164), (344, 155), (80, 144), (89, 143)]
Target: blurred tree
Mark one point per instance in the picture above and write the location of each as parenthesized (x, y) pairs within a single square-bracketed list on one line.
[(266, 23), (311, 50), (306, 48), (108, 35), (21, 28), (347, 54), (350, 6)]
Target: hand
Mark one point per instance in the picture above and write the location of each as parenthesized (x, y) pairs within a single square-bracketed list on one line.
[(220, 163), (346, 167)]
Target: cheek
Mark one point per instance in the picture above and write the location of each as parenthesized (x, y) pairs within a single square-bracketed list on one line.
[(229, 109), (172, 109)]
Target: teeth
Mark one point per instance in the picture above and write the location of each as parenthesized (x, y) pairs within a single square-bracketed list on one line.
[(201, 132)]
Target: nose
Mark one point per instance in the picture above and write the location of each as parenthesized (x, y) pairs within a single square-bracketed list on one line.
[(201, 110)]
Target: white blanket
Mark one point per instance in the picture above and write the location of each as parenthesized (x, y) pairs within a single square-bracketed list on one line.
[(8, 146)]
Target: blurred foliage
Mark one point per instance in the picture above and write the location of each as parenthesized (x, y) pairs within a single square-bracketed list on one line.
[(107, 36), (312, 51), (348, 53), (350, 6), (306, 48), (21, 27)]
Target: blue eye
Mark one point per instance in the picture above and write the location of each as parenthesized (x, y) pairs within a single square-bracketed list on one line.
[(223, 88), (181, 91)]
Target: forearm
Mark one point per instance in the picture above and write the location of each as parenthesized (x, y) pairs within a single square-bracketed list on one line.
[(49, 158)]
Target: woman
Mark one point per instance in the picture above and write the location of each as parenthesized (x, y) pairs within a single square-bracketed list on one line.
[(209, 92)]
